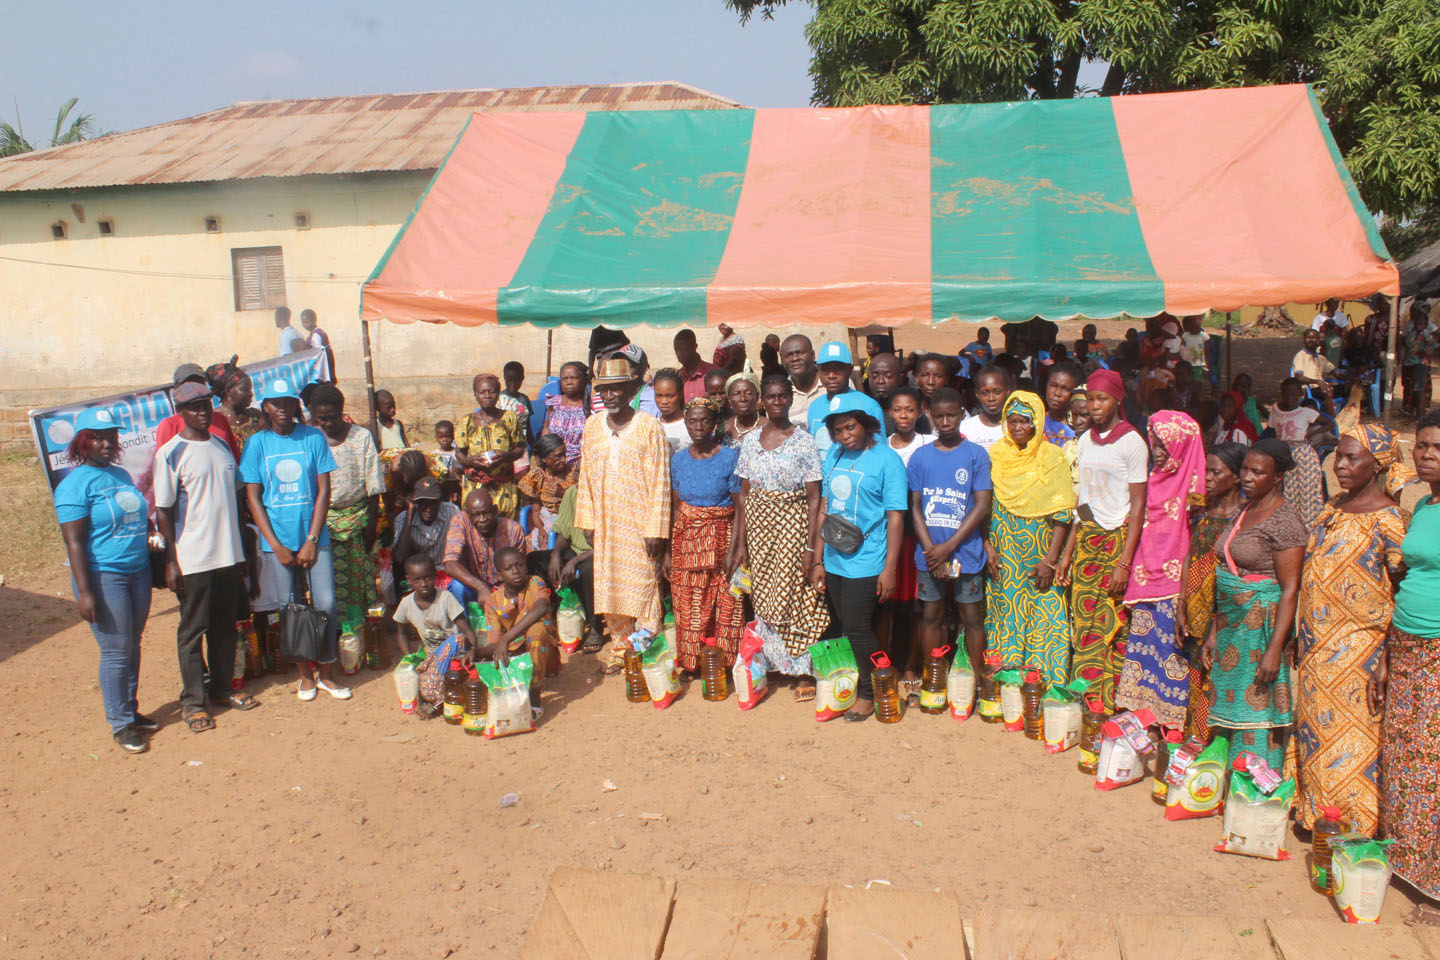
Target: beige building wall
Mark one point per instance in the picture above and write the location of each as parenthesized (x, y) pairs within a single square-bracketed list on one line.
[(89, 315)]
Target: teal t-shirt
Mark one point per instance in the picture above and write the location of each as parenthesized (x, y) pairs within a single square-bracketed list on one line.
[(862, 487), (1417, 602), (117, 538)]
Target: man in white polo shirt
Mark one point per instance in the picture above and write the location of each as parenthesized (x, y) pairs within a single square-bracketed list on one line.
[(198, 512)]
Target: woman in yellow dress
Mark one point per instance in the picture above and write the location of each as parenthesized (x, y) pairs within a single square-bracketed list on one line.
[(487, 444)]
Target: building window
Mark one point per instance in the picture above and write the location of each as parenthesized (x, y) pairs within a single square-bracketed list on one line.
[(302, 221), (57, 230), (212, 224), (259, 278), (107, 227)]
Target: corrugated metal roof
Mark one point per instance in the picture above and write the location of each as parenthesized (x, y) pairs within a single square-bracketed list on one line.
[(292, 138)]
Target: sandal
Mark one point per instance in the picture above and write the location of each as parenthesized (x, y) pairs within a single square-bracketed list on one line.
[(804, 692), (1423, 915), (610, 669), (594, 643), (199, 722), (240, 700)]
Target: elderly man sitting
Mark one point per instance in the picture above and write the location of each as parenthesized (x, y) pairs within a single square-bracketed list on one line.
[(474, 537)]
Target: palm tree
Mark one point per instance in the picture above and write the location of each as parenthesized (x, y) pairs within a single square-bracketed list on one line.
[(82, 127)]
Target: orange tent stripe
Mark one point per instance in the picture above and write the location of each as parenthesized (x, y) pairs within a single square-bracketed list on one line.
[(472, 228), (1241, 203), (833, 224)]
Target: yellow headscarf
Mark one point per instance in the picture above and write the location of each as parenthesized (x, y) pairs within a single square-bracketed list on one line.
[(1034, 482)]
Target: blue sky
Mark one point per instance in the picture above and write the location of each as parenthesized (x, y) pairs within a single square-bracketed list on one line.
[(138, 63)]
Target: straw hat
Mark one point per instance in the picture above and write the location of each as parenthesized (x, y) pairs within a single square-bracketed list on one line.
[(612, 369)]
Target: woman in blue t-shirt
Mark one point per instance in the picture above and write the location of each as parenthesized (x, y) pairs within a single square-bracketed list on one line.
[(286, 469), (105, 523), (864, 483)]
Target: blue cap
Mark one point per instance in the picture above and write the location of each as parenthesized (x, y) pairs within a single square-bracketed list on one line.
[(834, 352), (96, 418), (279, 390), (853, 401)]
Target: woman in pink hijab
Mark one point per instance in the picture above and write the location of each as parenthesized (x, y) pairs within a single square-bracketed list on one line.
[(1156, 674)]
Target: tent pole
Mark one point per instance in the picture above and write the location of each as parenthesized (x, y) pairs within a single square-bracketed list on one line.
[(1390, 357), (1229, 378), (549, 351), (369, 381)]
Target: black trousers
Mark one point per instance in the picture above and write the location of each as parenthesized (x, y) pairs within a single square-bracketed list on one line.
[(209, 607), (853, 604)]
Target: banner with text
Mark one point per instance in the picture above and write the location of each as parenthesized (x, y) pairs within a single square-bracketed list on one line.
[(139, 413)]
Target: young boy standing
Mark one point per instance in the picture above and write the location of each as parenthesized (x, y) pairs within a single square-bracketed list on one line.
[(436, 615), (392, 431), (198, 513), (1064, 378), (949, 503)]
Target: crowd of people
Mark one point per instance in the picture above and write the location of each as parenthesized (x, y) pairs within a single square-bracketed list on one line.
[(1102, 512)]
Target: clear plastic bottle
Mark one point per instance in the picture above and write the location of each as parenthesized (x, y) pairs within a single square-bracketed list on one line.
[(636, 691), (1030, 693), (934, 679), (714, 678), (887, 689), (1331, 824), (454, 693)]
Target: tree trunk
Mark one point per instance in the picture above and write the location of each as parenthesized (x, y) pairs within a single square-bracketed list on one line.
[(1069, 70), (1114, 82)]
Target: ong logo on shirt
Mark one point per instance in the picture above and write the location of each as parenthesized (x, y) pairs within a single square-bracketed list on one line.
[(287, 471)]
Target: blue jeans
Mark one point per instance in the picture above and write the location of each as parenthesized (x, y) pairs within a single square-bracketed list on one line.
[(122, 605), (277, 580), (466, 595)]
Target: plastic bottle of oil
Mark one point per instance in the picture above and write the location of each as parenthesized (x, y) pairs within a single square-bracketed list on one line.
[(273, 661), (254, 652), (454, 693), (1159, 788), (1090, 721), (476, 704), (636, 690), (933, 681), (987, 697), (1030, 693), (887, 689), (375, 657), (1331, 823), (714, 678)]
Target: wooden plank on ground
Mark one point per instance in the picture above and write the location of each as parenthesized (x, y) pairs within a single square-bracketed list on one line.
[(1337, 940), (898, 924), (1182, 938), (1043, 935), (733, 920), (598, 915)]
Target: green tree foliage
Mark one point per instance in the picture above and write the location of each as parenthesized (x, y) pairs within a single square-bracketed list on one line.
[(1375, 63), (67, 130)]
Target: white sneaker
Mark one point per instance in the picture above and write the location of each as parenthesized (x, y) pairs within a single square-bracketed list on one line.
[(339, 693)]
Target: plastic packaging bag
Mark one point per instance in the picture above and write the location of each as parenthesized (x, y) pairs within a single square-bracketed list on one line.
[(1359, 876), (740, 581), (750, 671), (836, 677), (1254, 821), (1012, 704), (1061, 711), (661, 671), (509, 697), (960, 683), (407, 681), (1123, 746), (1196, 788), (350, 648), (569, 620)]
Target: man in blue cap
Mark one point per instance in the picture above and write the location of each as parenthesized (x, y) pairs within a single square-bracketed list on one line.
[(837, 368), (286, 470)]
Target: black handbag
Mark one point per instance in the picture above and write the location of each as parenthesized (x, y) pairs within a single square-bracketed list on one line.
[(304, 631)]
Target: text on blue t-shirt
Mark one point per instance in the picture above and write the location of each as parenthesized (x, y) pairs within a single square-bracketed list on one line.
[(947, 481), (288, 469)]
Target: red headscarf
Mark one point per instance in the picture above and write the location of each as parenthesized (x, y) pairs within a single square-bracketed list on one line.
[(1242, 422), (1109, 382)]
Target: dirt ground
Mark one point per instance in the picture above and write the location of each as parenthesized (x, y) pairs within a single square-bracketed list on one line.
[(329, 828)]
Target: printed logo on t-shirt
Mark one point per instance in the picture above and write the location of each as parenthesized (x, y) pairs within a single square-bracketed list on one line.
[(287, 469), (962, 477), (844, 493), (945, 506), (127, 511)]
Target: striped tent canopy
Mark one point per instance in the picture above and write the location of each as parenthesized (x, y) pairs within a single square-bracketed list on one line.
[(1091, 207)]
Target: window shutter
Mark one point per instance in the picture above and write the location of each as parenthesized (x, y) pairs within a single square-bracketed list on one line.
[(259, 274)]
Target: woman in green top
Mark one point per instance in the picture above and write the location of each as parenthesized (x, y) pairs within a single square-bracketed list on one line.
[(1406, 683)]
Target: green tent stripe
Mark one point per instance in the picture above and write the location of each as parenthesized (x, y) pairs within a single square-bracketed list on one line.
[(1372, 232), (1022, 225), (638, 222)]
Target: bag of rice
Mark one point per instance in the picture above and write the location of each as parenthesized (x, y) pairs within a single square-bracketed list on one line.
[(1197, 787), (509, 697), (960, 683), (1124, 743), (661, 671), (1012, 704), (1255, 822), (836, 677), (1061, 710), (1359, 876), (750, 672)]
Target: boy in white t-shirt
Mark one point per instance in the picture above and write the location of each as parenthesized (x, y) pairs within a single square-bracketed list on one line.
[(436, 615), (198, 513)]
